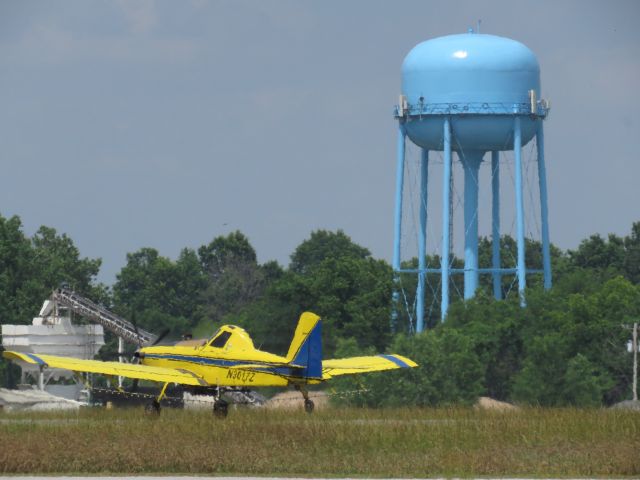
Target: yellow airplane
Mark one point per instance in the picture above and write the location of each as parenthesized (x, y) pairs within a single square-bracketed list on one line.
[(229, 361)]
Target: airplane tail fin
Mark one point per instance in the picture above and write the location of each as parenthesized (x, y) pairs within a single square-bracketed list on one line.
[(306, 347)]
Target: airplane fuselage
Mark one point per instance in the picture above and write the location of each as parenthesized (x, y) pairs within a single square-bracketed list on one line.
[(219, 361), (217, 367)]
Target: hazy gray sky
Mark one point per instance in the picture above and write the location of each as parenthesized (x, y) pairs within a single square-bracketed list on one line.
[(138, 123)]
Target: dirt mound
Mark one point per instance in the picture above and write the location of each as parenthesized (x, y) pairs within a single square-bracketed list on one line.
[(486, 403), (293, 400), (628, 405), (34, 401)]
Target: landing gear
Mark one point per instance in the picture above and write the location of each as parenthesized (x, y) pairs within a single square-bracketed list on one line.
[(220, 408), (308, 403), (152, 408)]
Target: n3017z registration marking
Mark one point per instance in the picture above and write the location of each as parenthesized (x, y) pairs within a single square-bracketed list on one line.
[(241, 375)]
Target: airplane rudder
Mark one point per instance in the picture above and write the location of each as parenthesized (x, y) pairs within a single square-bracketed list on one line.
[(306, 347), (306, 323), (314, 364)]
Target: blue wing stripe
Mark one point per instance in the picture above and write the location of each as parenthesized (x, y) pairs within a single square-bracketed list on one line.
[(395, 360), (36, 359)]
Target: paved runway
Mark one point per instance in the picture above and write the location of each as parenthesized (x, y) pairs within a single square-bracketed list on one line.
[(150, 477)]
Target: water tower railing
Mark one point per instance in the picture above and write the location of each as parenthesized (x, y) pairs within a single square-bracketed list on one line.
[(418, 110), (482, 271)]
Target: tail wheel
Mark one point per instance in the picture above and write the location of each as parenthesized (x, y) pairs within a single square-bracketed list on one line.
[(309, 406), (220, 408)]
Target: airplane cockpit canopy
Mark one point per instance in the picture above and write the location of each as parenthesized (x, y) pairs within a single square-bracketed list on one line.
[(229, 335), (219, 341)]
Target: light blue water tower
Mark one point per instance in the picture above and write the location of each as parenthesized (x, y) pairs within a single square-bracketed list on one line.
[(470, 94)]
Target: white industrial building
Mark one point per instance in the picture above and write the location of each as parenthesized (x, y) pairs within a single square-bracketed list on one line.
[(53, 333)]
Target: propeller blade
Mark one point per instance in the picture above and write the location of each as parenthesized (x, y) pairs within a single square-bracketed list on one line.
[(163, 334), (134, 386), (135, 325)]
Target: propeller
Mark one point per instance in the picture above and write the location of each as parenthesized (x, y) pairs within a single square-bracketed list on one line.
[(135, 359), (137, 355), (160, 337)]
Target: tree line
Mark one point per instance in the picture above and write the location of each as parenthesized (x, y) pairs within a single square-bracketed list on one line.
[(568, 347)]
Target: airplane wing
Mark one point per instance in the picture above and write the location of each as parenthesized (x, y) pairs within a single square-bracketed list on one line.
[(354, 365), (143, 372), (342, 366)]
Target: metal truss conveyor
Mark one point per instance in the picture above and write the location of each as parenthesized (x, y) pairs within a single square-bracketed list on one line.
[(100, 315)]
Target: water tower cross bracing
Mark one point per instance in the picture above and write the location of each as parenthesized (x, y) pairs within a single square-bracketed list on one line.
[(472, 95)]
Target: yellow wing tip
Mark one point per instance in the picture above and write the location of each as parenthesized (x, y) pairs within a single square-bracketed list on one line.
[(25, 357)]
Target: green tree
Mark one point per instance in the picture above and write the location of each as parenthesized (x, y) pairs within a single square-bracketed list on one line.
[(158, 292), (449, 372), (631, 262), (607, 258), (564, 334), (21, 293), (584, 383), (603, 341), (58, 261), (408, 284), (598, 253), (339, 281), (234, 279), (323, 245), (351, 295), (223, 252), (540, 382), (495, 329), (30, 268)]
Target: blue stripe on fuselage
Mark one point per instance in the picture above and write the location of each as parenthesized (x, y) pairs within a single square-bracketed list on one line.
[(395, 360), (202, 360), (284, 370)]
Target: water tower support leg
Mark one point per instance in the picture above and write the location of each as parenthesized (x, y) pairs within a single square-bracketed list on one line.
[(495, 224), (521, 268), (422, 240), (471, 163), (446, 195), (398, 225), (544, 209)]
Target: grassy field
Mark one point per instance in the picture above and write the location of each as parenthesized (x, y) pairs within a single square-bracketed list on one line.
[(333, 442)]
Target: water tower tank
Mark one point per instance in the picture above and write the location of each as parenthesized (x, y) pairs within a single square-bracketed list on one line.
[(470, 94), (472, 74)]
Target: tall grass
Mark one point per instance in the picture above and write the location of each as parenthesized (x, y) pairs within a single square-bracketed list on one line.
[(333, 442)]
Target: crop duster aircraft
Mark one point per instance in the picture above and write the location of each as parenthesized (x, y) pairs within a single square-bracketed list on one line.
[(229, 361)]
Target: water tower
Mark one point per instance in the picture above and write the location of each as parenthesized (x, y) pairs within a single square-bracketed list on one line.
[(474, 95)]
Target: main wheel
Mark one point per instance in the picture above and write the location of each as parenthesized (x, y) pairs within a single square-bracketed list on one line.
[(308, 406), (152, 408), (220, 408)]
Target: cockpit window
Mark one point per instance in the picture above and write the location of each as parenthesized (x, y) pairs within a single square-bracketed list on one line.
[(220, 340)]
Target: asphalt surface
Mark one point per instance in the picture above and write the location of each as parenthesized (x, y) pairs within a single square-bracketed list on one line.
[(150, 477)]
